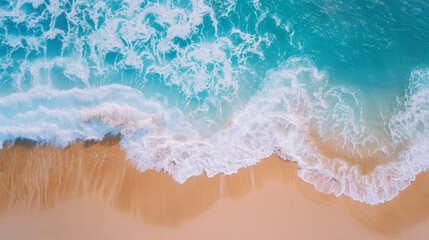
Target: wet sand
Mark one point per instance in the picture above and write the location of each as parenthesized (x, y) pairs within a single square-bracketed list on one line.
[(89, 191)]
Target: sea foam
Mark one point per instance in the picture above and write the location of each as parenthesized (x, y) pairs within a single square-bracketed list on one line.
[(291, 101)]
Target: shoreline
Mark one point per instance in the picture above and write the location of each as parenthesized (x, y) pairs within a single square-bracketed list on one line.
[(39, 179)]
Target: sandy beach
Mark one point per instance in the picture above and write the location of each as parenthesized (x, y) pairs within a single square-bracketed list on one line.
[(90, 191), (213, 119)]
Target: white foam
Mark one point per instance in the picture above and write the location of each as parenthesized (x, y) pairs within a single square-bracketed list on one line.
[(277, 119)]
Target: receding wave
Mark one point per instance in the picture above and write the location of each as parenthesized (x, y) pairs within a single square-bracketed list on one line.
[(289, 115)]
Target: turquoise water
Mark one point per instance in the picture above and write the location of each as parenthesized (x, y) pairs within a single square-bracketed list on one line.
[(214, 86)]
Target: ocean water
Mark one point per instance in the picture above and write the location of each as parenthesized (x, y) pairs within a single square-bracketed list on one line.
[(213, 86)]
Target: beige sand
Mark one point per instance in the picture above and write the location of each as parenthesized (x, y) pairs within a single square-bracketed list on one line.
[(89, 191)]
